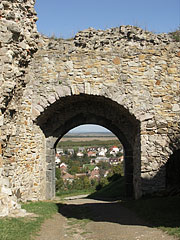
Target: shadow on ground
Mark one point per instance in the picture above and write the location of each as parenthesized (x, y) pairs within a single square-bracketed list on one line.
[(155, 212), (100, 212)]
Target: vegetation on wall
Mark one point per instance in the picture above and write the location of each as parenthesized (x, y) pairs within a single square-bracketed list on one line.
[(176, 34)]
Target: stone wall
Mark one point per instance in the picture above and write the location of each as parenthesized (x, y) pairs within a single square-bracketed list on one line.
[(134, 68), (125, 79), (18, 42)]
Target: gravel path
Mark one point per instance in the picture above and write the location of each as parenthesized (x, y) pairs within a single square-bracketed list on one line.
[(87, 219)]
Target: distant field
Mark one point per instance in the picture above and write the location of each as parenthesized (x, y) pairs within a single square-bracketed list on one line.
[(90, 138), (79, 137)]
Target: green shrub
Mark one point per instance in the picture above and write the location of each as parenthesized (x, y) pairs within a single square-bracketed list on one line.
[(176, 35)]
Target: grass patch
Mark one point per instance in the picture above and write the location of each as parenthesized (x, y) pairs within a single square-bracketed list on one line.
[(163, 213), (114, 190), (80, 222), (85, 233), (26, 228)]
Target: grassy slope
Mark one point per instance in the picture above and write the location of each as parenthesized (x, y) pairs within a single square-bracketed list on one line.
[(24, 228), (163, 212), (114, 190)]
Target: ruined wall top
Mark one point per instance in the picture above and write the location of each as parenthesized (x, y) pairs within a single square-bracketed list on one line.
[(104, 40)]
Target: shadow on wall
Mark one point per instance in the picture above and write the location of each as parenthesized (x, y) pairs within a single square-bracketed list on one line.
[(166, 182), (173, 173)]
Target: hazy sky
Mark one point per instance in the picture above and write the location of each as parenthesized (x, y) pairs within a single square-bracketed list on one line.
[(64, 18), (89, 128)]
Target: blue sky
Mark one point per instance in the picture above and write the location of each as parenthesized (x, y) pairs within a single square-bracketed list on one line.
[(66, 17), (89, 128)]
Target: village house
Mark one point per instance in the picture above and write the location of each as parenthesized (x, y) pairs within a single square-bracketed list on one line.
[(70, 151), (95, 174), (115, 160), (91, 149), (63, 167), (114, 150), (81, 149), (91, 154), (78, 175), (67, 177), (80, 154), (102, 151), (101, 159), (57, 159), (59, 151)]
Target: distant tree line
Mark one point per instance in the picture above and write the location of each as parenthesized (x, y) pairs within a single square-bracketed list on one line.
[(92, 143)]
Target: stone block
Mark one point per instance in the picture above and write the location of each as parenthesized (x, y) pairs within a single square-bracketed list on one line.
[(176, 108), (6, 190), (1, 120), (116, 61), (172, 70), (35, 113), (49, 176)]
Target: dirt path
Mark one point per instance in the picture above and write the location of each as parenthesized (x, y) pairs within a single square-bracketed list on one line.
[(86, 219)]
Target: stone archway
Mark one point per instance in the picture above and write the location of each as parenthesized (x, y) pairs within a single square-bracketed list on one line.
[(72, 111)]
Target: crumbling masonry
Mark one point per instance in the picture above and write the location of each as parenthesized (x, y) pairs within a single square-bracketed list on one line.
[(125, 79)]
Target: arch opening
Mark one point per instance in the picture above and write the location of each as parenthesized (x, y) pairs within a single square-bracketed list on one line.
[(88, 159), (73, 111)]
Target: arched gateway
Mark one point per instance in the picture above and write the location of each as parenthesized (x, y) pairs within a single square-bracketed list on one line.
[(120, 79), (72, 111), (124, 79)]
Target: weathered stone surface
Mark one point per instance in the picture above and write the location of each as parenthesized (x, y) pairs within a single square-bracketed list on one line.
[(130, 67), (125, 79), (17, 45)]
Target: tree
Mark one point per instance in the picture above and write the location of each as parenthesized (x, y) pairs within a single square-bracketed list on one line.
[(104, 165), (59, 181), (86, 182)]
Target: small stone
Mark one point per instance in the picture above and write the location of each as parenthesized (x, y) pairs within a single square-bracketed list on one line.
[(35, 113), (51, 99), (176, 108), (146, 116), (6, 190), (172, 70), (14, 28), (116, 61), (1, 120)]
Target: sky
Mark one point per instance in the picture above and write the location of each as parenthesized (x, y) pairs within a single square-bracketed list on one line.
[(89, 128), (64, 18)]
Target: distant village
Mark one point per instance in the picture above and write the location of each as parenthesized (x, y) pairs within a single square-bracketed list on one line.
[(96, 159)]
